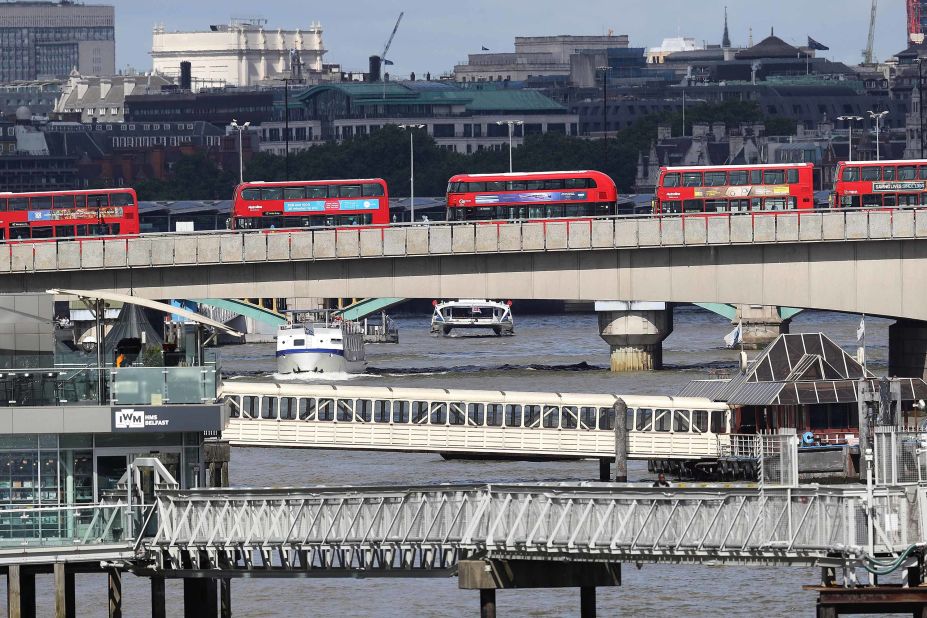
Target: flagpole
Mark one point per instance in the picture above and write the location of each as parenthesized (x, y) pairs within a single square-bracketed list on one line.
[(864, 343)]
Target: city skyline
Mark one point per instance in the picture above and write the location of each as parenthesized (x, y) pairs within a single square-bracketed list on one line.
[(433, 39)]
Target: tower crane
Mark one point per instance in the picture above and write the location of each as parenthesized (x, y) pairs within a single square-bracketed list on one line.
[(867, 53), (390, 40)]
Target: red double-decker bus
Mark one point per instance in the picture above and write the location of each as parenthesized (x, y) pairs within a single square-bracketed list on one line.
[(530, 195), (310, 203), (880, 184), (50, 215), (735, 188)]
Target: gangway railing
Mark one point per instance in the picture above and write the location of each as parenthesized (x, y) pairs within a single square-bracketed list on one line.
[(379, 529)]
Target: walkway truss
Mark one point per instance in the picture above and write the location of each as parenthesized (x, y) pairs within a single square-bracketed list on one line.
[(422, 530)]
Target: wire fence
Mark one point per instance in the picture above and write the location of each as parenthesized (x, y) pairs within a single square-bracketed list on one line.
[(770, 459), (900, 456)]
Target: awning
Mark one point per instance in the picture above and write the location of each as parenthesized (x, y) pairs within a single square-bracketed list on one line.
[(151, 304)]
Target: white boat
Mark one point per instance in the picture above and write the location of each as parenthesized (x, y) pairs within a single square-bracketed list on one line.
[(472, 313), (321, 344)]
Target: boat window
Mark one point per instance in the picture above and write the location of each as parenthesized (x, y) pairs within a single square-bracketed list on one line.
[(269, 407), (419, 412), (438, 413), (400, 411), (363, 409), (587, 417), (512, 415), (381, 411), (551, 418), (607, 418), (326, 410), (234, 406), (681, 421), (645, 419), (494, 414), (661, 420), (532, 416), (718, 423), (629, 419), (345, 410), (306, 408), (249, 407), (568, 417), (700, 420), (475, 414), (671, 180), (299, 342), (456, 413), (288, 408)]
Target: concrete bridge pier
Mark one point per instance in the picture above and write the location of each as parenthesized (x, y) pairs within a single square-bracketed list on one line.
[(907, 349), (635, 331), (761, 325)]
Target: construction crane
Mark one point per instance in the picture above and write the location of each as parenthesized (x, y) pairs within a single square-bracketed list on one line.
[(867, 53), (390, 40)]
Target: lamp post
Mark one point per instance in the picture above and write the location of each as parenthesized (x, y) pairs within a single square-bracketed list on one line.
[(878, 120), (604, 70), (412, 128), (920, 101), (241, 161), (850, 120), (512, 124)]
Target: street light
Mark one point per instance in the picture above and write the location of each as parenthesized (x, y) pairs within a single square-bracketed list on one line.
[(241, 162), (512, 124), (412, 128), (850, 120), (878, 119), (605, 70)]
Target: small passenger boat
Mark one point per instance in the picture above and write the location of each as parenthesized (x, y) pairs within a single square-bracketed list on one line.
[(472, 313), (318, 342)]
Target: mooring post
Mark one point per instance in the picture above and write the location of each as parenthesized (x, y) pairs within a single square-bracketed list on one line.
[(225, 598), (621, 441), (488, 603), (158, 604), (64, 591), (605, 469), (115, 593), (20, 587), (587, 602)]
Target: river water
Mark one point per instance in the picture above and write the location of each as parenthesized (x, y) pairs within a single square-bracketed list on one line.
[(548, 353)]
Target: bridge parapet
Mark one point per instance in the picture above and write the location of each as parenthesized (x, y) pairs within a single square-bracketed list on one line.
[(462, 238)]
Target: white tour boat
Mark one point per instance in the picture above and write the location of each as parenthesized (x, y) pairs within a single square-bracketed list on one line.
[(320, 343), (472, 313)]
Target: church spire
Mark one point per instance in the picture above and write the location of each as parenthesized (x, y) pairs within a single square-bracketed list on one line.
[(726, 38)]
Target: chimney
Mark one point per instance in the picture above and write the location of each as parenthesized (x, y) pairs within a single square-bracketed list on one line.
[(186, 75), (700, 129), (105, 86), (664, 131), (719, 130)]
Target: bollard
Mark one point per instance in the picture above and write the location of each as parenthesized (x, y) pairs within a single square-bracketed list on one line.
[(621, 441)]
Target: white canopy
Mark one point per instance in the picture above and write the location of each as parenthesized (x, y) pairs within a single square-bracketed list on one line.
[(151, 304)]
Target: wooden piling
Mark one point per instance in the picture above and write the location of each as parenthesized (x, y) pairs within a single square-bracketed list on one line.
[(64, 591), (488, 603), (621, 441), (115, 593)]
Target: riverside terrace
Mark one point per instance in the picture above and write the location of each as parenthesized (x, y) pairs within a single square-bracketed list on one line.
[(871, 262)]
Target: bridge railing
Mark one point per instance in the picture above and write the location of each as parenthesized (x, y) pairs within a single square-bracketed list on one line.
[(429, 527), (445, 238)]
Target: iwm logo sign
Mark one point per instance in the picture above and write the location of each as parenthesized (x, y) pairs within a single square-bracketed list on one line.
[(129, 418)]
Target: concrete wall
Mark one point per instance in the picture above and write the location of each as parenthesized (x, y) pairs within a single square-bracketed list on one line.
[(27, 336), (857, 262)]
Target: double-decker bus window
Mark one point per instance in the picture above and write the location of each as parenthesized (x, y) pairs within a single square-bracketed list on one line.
[(738, 177), (715, 179), (715, 205), (872, 173), (294, 193), (674, 206), (19, 203), (792, 174), (850, 174), (3, 204), (316, 191), (774, 203), (535, 212), (872, 200), (849, 201), (740, 205), (119, 199), (692, 206), (64, 231), (692, 179), (67, 201), (756, 177), (554, 184), (888, 172), (889, 200), (907, 172), (350, 191), (372, 189), (554, 210), (43, 232), (42, 202), (251, 194), (534, 185), (19, 232), (922, 172), (908, 200), (96, 200), (773, 177), (271, 193), (476, 187), (671, 180), (756, 203), (517, 185), (575, 183), (495, 186)]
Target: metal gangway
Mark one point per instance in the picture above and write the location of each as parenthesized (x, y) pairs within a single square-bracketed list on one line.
[(472, 422)]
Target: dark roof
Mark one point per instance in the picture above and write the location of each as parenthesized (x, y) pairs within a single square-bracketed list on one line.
[(770, 47), (797, 369)]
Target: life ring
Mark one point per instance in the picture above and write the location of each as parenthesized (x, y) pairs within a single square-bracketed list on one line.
[(807, 438)]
